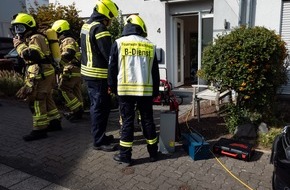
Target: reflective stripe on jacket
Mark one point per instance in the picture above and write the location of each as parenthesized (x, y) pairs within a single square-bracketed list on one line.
[(136, 55), (95, 45), (43, 68), (67, 44)]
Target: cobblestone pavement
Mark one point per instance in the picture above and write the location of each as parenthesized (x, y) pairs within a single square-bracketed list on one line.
[(66, 160)]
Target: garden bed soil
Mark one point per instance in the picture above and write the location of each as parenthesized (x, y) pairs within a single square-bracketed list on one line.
[(212, 127)]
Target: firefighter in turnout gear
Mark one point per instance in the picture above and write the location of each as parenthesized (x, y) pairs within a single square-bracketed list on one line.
[(96, 43), (134, 76), (33, 47), (70, 78)]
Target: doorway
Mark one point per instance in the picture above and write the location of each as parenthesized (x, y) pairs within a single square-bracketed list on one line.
[(192, 33), (178, 66)]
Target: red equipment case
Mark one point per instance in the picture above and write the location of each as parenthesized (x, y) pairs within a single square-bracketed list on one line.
[(234, 148)]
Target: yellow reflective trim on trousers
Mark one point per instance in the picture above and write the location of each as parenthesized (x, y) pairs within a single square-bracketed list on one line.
[(72, 75), (40, 123), (53, 114), (77, 105), (54, 111), (47, 73), (76, 74), (94, 72), (38, 117), (153, 141), (64, 94), (36, 108), (71, 104), (126, 144)]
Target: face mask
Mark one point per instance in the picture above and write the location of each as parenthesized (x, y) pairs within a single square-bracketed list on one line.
[(19, 29)]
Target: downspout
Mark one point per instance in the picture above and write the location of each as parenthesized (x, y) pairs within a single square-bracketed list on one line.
[(200, 81), (249, 13), (240, 12)]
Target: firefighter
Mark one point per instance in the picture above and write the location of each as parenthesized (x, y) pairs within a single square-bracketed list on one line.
[(96, 43), (33, 48), (70, 78), (134, 76)]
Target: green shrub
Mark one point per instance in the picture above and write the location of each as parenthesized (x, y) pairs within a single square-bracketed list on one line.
[(45, 15), (10, 83), (250, 61), (266, 139)]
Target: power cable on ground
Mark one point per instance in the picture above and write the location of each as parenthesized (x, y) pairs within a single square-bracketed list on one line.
[(225, 168)]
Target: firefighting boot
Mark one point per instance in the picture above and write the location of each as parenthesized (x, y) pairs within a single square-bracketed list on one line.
[(153, 152), (54, 125), (74, 116), (35, 135), (124, 157)]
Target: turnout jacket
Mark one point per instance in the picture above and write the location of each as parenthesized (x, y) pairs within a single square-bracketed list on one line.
[(96, 43), (133, 66), (70, 51), (37, 56)]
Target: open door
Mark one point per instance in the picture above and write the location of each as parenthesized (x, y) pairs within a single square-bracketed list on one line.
[(178, 67), (205, 36)]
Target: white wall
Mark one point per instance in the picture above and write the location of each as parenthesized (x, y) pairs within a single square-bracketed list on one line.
[(153, 21), (268, 14), (225, 10), (153, 14), (15, 6)]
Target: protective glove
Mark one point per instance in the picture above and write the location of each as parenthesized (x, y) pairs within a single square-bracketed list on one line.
[(23, 92), (112, 90), (17, 41)]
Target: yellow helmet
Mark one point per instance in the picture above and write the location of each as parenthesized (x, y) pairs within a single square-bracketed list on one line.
[(60, 25), (107, 8), (135, 19), (24, 18)]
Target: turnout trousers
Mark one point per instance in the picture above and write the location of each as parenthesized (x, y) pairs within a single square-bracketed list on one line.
[(99, 108), (41, 103), (70, 86), (127, 108)]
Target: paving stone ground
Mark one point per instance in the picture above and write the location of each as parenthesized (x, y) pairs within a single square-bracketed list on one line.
[(66, 160)]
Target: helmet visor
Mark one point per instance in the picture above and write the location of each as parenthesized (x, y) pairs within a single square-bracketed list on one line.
[(19, 28)]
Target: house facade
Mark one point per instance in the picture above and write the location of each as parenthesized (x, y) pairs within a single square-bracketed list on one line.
[(182, 28), (6, 13), (8, 8)]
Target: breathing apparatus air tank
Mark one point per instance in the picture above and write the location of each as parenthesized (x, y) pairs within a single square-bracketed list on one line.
[(53, 45)]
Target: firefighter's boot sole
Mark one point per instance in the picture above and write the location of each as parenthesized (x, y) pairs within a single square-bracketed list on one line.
[(35, 135)]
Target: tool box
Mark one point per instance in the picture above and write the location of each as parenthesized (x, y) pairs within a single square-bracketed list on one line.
[(234, 148), (195, 146)]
